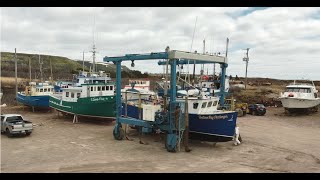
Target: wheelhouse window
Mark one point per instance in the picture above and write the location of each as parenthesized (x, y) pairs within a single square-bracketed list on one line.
[(214, 103), (67, 94), (107, 88), (99, 88), (111, 88), (91, 88), (44, 89), (204, 104), (301, 90), (103, 88), (195, 105), (41, 90), (72, 95), (209, 104)]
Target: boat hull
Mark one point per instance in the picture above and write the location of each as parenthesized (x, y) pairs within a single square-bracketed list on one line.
[(298, 103), (34, 101), (100, 107), (213, 127)]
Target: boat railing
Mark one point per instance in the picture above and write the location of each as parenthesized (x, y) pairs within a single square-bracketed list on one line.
[(308, 84)]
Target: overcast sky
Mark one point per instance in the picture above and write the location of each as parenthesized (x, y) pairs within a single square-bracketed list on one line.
[(284, 42)]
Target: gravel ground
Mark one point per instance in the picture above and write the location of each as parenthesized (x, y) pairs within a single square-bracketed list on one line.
[(271, 143)]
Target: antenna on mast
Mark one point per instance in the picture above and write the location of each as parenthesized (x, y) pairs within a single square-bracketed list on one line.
[(93, 46), (195, 24)]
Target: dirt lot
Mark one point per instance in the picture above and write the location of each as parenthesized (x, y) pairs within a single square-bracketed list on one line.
[(271, 143)]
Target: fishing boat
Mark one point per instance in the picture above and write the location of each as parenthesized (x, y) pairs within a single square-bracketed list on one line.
[(136, 88), (92, 96), (59, 85), (36, 95), (300, 96), (206, 122)]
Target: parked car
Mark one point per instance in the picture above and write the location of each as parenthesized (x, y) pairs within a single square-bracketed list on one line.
[(15, 124), (257, 109)]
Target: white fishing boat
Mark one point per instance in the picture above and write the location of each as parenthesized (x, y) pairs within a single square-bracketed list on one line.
[(300, 96), (136, 88)]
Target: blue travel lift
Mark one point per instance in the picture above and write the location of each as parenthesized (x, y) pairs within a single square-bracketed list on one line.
[(165, 120)]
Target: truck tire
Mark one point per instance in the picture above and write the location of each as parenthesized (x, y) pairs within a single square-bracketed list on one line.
[(8, 133), (254, 113), (28, 133)]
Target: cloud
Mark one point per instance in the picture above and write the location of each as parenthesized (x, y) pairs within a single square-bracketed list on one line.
[(283, 41)]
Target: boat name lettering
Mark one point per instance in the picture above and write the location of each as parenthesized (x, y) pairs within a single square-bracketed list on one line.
[(98, 99), (53, 102), (214, 117)]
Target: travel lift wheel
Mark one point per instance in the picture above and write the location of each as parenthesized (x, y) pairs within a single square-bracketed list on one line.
[(118, 132), (171, 142)]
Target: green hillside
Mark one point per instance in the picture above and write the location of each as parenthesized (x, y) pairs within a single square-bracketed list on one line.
[(62, 67)]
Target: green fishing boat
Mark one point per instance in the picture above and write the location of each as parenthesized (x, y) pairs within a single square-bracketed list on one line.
[(91, 96)]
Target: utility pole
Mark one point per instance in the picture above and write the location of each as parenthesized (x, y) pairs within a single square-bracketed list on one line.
[(30, 69), (40, 63), (16, 69), (246, 59), (51, 71)]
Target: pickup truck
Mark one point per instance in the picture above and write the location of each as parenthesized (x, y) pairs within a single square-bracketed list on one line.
[(15, 124)]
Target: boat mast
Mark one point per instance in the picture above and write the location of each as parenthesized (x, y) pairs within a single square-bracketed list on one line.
[(194, 64), (93, 47), (94, 58)]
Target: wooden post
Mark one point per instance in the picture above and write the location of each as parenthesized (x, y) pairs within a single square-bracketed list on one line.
[(126, 101), (75, 119), (126, 113), (139, 106), (186, 131), (16, 69)]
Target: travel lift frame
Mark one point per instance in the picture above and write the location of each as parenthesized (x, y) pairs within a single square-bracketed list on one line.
[(175, 57)]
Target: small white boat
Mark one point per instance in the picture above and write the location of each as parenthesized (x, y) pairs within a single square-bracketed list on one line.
[(300, 96)]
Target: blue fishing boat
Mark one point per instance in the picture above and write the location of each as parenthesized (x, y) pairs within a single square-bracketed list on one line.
[(206, 122), (36, 95)]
